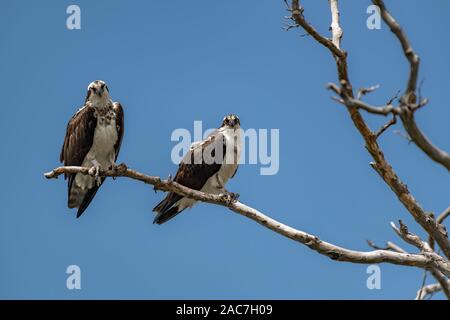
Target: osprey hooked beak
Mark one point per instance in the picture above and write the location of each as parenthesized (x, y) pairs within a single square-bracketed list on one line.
[(98, 87), (231, 121), (100, 92)]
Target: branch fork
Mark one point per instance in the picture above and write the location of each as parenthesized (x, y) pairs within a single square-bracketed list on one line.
[(405, 111)]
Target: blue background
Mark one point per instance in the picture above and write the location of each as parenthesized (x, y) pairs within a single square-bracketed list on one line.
[(170, 63)]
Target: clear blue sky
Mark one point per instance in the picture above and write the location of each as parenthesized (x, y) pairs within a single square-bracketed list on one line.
[(173, 62)]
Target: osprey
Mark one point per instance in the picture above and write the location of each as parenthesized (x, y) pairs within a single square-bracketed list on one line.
[(207, 167), (93, 139)]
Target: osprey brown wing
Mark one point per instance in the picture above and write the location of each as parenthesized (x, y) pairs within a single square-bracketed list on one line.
[(120, 122), (79, 137), (78, 140), (192, 174)]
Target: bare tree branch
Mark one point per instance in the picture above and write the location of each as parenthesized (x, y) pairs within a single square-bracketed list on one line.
[(412, 57), (410, 238), (297, 16), (424, 280), (415, 240), (443, 216), (335, 27), (430, 289), (408, 104), (406, 109), (440, 220), (381, 110), (381, 166), (311, 241), (386, 126), (363, 91), (443, 281), (389, 246), (409, 97)]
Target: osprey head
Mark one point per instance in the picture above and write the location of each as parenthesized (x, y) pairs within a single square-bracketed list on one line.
[(97, 91), (231, 121)]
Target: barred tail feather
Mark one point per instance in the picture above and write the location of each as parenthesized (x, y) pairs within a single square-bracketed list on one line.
[(76, 196), (166, 215), (167, 209), (80, 198)]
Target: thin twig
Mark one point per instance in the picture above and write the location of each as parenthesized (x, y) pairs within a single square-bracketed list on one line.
[(389, 246), (429, 290), (386, 126), (424, 279), (363, 91)]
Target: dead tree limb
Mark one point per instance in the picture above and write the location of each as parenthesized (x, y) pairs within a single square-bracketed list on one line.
[(422, 293), (380, 164), (408, 105), (311, 241)]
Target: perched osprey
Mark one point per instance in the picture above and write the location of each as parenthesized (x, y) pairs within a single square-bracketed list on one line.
[(93, 139), (207, 167)]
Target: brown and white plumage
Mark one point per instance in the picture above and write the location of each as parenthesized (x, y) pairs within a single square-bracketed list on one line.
[(93, 138), (207, 166)]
